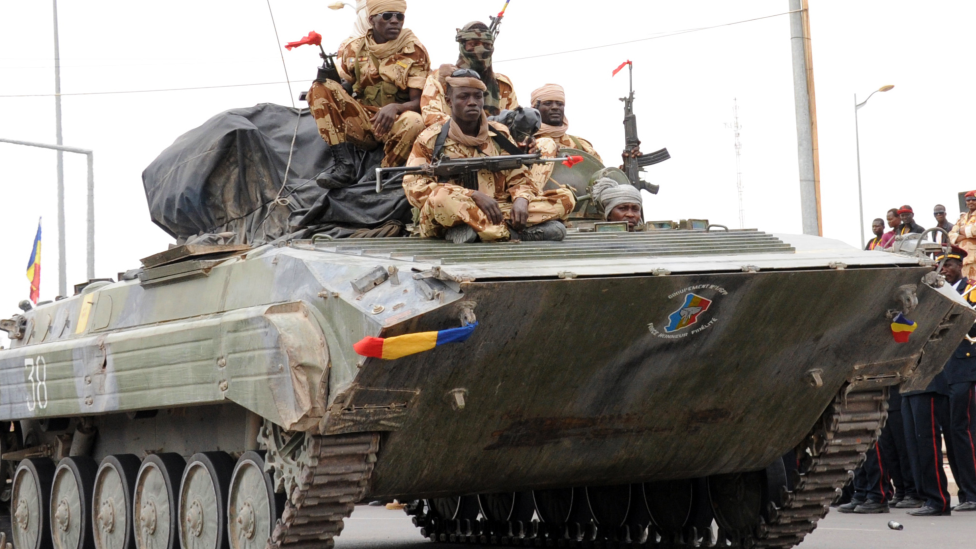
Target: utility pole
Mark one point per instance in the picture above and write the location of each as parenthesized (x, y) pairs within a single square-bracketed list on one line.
[(808, 152), (62, 246), (736, 130)]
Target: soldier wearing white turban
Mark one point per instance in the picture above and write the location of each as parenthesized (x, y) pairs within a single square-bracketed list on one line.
[(617, 202)]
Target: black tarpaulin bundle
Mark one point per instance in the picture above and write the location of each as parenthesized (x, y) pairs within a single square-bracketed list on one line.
[(226, 175)]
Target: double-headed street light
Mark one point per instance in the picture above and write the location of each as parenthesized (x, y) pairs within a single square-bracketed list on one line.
[(857, 137)]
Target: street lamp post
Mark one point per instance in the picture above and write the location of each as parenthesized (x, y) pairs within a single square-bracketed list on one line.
[(857, 138)]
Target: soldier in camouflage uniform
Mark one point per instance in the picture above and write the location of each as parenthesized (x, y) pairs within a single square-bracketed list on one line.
[(476, 45), (498, 205), (550, 100), (386, 70)]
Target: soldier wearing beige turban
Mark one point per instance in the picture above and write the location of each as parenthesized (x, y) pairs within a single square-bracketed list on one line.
[(386, 70), (551, 102)]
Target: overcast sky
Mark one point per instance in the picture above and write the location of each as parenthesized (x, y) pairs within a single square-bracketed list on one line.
[(916, 140)]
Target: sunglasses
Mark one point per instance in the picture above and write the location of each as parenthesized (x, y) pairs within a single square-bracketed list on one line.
[(391, 14), (938, 213)]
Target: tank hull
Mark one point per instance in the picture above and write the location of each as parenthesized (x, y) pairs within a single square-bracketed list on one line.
[(551, 400), (674, 363)]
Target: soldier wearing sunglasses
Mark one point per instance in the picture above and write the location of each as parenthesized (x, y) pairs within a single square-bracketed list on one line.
[(385, 71)]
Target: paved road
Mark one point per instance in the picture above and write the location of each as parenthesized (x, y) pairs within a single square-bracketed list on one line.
[(378, 528)]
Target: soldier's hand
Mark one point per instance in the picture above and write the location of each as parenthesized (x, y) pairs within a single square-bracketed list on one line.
[(488, 205), (520, 213), (383, 120)]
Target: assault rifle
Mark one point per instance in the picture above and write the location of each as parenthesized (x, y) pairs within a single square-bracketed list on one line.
[(467, 168), (634, 161), (496, 20)]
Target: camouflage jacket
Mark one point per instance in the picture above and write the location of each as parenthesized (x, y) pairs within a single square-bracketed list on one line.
[(502, 186), (963, 234), (406, 69), (433, 105), (578, 143)]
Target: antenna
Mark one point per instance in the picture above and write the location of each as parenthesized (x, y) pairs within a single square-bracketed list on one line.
[(737, 130)]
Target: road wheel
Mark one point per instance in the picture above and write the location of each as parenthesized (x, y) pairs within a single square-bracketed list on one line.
[(71, 493), (112, 502), (30, 503), (737, 501), (155, 502), (252, 505), (203, 501)]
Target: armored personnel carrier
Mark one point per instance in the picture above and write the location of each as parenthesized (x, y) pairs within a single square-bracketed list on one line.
[(692, 386)]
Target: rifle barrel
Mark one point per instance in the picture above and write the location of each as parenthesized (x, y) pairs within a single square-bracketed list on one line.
[(464, 165)]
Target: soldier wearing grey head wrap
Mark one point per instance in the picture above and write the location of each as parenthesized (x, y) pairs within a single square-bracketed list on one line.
[(617, 202)]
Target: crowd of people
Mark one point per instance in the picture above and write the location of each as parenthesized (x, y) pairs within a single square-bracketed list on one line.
[(901, 221), (905, 468), (385, 94)]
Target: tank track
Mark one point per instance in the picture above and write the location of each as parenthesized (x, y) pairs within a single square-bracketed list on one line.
[(827, 457), (333, 476)]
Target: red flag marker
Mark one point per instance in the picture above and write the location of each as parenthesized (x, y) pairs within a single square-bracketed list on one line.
[(572, 161), (313, 39), (621, 67)]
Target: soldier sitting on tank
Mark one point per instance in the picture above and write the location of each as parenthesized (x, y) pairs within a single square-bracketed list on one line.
[(386, 71), (476, 45), (550, 100), (496, 205), (616, 202)]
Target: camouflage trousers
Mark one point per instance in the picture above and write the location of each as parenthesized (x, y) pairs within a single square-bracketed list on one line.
[(542, 172), (342, 119), (448, 206)]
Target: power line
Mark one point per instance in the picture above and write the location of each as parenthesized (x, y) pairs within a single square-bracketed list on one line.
[(149, 91), (655, 37)]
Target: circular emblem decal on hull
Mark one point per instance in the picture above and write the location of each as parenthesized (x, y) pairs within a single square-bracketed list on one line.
[(692, 315)]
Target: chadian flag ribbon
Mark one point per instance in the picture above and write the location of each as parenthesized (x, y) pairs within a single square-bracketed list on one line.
[(313, 39), (621, 67), (389, 348), (901, 328), (34, 266)]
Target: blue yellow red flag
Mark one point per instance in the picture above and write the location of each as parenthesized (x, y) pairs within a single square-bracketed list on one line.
[(34, 266), (390, 348), (901, 328)]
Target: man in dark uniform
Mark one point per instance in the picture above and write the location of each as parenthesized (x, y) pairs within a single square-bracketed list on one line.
[(927, 419), (872, 490), (942, 223), (961, 374), (894, 454), (908, 224)]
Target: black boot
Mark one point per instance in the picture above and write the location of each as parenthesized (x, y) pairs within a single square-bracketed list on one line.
[(342, 173), (551, 230)]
